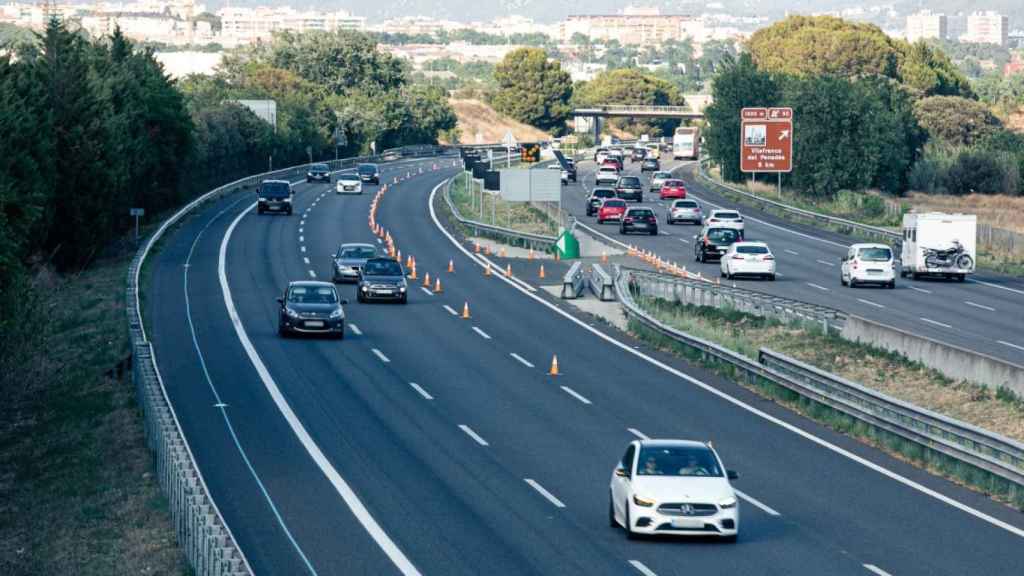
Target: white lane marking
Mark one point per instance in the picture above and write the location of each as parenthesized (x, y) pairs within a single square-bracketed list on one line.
[(983, 283), (1011, 345), (812, 285), (451, 310), (747, 498), (638, 434), (482, 334), (825, 263), (922, 290), (426, 291), (302, 238), (312, 274), (300, 229), (476, 437), (525, 362), (739, 403), (982, 306), (876, 570), (355, 329), (303, 248), (663, 233), (380, 355), (684, 241), (543, 492), (641, 568), (576, 395), (305, 260), (386, 544), (935, 322), (422, 392), (793, 252), (870, 303)]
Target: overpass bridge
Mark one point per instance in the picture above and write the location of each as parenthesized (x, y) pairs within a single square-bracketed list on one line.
[(634, 111)]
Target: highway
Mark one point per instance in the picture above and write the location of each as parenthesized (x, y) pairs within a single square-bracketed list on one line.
[(984, 314), (425, 443)]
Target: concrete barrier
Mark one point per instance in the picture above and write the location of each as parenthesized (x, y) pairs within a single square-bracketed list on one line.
[(955, 362)]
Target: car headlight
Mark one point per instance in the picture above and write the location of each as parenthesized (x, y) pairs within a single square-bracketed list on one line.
[(642, 501), (261, 199), (726, 504), (337, 314), (364, 288), (291, 313)]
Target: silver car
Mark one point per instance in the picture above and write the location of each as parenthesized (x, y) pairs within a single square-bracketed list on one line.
[(349, 260), (349, 184), (658, 179), (685, 211)]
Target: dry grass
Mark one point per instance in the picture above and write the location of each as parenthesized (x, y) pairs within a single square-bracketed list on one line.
[(999, 211), (77, 495), (515, 215), (479, 123)]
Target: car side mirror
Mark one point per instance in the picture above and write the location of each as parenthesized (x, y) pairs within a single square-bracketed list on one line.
[(621, 472), (732, 475), (280, 300)]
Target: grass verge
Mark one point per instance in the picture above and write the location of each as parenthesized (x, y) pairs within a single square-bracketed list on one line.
[(884, 371), (77, 490), (519, 216)]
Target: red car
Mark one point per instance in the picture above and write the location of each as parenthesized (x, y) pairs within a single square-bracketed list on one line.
[(612, 209), (674, 189), (612, 161)]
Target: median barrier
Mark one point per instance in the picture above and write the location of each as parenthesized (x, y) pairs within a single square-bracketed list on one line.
[(601, 283), (573, 282)]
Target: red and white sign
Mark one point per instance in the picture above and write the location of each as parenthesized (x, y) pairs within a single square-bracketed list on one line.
[(766, 140)]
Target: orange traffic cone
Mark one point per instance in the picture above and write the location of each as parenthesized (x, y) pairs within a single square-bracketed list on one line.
[(604, 256), (451, 267), (426, 280), (487, 270), (437, 286), (502, 253), (413, 275), (557, 257), (465, 311), (541, 273), (554, 366), (530, 257), (487, 250), (408, 261), (508, 271), (476, 247)]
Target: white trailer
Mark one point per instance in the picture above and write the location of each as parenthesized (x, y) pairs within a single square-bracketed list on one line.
[(937, 244)]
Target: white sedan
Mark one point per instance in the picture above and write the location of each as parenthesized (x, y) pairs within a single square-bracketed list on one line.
[(725, 219), (607, 175), (748, 259), (349, 184), (675, 487)]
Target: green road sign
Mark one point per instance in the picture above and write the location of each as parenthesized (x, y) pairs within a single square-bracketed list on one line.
[(568, 246)]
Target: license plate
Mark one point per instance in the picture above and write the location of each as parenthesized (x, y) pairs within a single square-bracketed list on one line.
[(385, 292), (273, 207), (687, 523), (314, 324), (874, 272)]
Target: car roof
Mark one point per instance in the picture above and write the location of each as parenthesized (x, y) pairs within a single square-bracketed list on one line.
[(671, 443), (870, 245), (750, 243), (357, 245), (276, 182), (348, 175), (724, 210), (309, 284)]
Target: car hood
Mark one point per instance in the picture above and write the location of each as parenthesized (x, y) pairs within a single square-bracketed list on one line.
[(682, 488), (396, 280), (352, 180), (351, 261)]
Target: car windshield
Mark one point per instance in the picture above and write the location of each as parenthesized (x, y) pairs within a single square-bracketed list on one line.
[(319, 168), (677, 461), (348, 177), (685, 204), (367, 168), (727, 215), (723, 235), (752, 249), (875, 254), (604, 193), (358, 252), (641, 213), (631, 181), (312, 295), (275, 189), (383, 268), (614, 203)]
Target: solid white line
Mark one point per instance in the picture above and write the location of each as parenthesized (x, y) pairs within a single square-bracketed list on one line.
[(983, 283), (825, 263), (982, 306), (469, 432), (739, 403), (305, 260), (1005, 343), (426, 291), (794, 253), (812, 285), (355, 329), (920, 289), (641, 568), (526, 363), (551, 497), (380, 355), (870, 303), (767, 509), (482, 334), (312, 274), (638, 434), (876, 570), (451, 310), (420, 389), (935, 323), (387, 545), (575, 395)]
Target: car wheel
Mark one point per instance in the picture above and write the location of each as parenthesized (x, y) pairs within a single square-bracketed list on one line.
[(892, 285), (961, 277), (341, 335), (404, 300), (853, 282), (611, 513), (281, 331), (842, 280), (654, 232), (359, 297), (308, 180), (724, 273), (771, 277), (730, 539), (630, 535)]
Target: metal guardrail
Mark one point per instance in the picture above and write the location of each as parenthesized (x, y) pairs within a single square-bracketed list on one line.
[(641, 110), (573, 282), (601, 283), (703, 293), (985, 450), (209, 545)]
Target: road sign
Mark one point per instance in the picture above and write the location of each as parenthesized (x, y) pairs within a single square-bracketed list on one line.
[(530, 153), (766, 140), (136, 212), (509, 140)]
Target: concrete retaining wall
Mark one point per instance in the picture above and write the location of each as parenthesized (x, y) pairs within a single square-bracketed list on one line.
[(954, 362)]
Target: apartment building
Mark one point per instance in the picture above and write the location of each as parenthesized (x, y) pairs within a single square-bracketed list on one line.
[(926, 25), (644, 27), (987, 28), (240, 25)]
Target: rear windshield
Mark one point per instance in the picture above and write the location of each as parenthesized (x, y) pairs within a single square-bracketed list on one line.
[(607, 169), (674, 183), (615, 203), (367, 168), (312, 295), (878, 254), (677, 461), (357, 252), (723, 235), (727, 215), (641, 213), (383, 268), (604, 193), (275, 189), (629, 181), (685, 204), (752, 249)]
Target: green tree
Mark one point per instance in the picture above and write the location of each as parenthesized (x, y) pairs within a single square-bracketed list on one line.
[(927, 71), (631, 86), (532, 89), (956, 121)]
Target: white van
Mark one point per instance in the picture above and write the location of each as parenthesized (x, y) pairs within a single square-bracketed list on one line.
[(939, 244), (868, 264)]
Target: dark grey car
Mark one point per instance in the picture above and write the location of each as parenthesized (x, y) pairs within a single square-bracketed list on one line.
[(319, 172), (349, 260), (310, 307), (368, 173), (382, 279)]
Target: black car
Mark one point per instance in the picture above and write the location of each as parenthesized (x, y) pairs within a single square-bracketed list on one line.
[(639, 220), (638, 154), (598, 196), (650, 165), (318, 172), (629, 188), (382, 279), (368, 173), (711, 243), (274, 196), (310, 307)]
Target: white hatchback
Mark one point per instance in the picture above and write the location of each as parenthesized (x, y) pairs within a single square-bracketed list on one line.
[(349, 184), (748, 259), (725, 219), (607, 175), (675, 487)]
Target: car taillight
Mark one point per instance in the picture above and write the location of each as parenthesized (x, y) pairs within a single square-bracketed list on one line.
[(737, 257), (628, 220), (768, 258)]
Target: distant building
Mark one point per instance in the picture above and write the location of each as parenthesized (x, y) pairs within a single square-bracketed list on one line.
[(987, 28), (926, 25), (644, 27), (248, 25)]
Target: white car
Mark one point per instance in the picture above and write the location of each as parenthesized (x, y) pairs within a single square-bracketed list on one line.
[(684, 211), (675, 487), (607, 175), (748, 259), (653, 151), (349, 184), (658, 179), (868, 264), (725, 219)]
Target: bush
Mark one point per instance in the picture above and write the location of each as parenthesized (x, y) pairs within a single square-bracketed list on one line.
[(981, 172)]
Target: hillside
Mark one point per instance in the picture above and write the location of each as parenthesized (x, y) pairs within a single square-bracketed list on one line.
[(479, 123)]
